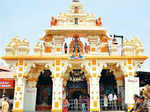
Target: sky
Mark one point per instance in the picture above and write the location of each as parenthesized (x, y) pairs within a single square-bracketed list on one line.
[(29, 19)]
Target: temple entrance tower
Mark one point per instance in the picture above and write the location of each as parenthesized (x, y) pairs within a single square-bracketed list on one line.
[(100, 53)]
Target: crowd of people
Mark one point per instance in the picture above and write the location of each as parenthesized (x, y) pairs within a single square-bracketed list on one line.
[(141, 104), (81, 103), (111, 102)]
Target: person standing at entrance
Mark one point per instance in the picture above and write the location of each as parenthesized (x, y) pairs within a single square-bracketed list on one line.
[(5, 105), (110, 98), (83, 105), (115, 101), (76, 104), (105, 102), (65, 105)]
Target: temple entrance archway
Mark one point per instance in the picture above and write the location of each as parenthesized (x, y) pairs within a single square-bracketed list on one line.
[(108, 83), (77, 87), (44, 91), (111, 84)]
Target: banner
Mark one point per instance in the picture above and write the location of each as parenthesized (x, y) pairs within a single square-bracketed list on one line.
[(131, 88), (6, 83)]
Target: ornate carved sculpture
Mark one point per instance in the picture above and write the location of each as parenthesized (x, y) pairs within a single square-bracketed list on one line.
[(104, 43), (76, 10), (47, 39), (76, 46), (65, 48), (53, 21), (99, 22), (86, 48)]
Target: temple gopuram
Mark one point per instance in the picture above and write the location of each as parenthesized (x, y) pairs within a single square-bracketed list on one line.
[(75, 59)]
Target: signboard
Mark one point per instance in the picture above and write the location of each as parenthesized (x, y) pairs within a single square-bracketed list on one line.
[(131, 88), (6, 83), (30, 99)]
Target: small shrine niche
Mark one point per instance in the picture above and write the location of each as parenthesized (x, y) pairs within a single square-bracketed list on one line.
[(76, 46), (76, 10)]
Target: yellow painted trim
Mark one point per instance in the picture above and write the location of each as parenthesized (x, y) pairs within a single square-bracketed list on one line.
[(117, 57), (56, 110), (67, 58), (18, 110), (95, 110)]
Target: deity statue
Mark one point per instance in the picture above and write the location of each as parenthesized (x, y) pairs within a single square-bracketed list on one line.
[(99, 22), (53, 21), (65, 48), (86, 48), (76, 46)]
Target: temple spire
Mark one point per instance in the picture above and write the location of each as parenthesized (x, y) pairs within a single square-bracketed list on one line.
[(75, 1)]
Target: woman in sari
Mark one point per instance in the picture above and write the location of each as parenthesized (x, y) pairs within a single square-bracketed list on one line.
[(65, 105)]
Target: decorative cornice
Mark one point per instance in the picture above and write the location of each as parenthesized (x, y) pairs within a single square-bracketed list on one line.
[(76, 60)]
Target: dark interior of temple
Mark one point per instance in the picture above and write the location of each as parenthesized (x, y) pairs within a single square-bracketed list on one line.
[(76, 85), (144, 78), (107, 82), (44, 88)]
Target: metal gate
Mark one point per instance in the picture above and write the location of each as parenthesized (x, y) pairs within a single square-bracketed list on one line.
[(112, 106), (78, 106)]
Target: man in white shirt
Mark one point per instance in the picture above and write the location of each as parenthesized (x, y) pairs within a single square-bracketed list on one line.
[(110, 98), (115, 101)]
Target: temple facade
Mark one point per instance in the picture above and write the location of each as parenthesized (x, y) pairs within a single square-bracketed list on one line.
[(74, 50)]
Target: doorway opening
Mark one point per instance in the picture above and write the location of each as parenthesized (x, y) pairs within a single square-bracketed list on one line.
[(110, 98), (44, 91), (77, 90), (108, 82)]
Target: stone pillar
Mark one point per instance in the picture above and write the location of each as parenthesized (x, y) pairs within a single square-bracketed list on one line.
[(95, 69), (57, 94), (20, 82), (129, 68), (57, 100), (94, 95)]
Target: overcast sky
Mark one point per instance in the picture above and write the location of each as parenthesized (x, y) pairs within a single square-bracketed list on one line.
[(29, 18)]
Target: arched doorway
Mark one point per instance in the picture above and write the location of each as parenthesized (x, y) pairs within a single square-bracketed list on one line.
[(44, 91), (77, 90), (108, 83), (108, 87)]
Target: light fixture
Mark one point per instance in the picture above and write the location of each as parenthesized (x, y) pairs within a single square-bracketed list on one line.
[(114, 41)]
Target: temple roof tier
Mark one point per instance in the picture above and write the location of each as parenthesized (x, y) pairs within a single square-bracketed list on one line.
[(76, 30)]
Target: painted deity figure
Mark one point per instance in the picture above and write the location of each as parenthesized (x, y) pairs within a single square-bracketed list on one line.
[(86, 48), (76, 46), (47, 40), (99, 22), (65, 48), (53, 21), (104, 43)]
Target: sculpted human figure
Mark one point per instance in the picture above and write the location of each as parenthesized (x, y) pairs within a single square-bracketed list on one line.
[(53, 21), (86, 48), (99, 22)]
